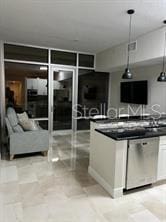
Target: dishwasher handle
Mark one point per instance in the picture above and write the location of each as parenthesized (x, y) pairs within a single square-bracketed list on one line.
[(139, 145), (145, 143)]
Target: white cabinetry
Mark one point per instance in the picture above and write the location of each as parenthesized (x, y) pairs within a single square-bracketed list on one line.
[(39, 84), (32, 83), (161, 175), (108, 162), (42, 87)]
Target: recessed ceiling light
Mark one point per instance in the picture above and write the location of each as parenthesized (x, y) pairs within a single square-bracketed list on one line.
[(43, 68)]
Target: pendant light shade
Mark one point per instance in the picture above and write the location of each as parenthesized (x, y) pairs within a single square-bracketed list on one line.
[(127, 74), (162, 76)]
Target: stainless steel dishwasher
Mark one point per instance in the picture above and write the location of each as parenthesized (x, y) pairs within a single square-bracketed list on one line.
[(142, 160)]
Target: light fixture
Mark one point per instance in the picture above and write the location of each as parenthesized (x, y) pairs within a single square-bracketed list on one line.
[(56, 159), (162, 76), (44, 68), (127, 74)]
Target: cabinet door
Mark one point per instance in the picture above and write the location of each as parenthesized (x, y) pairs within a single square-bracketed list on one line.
[(32, 83), (162, 162), (42, 87), (29, 83)]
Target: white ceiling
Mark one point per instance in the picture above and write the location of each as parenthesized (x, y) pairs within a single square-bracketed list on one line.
[(83, 25)]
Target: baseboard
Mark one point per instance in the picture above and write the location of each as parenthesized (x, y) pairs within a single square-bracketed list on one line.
[(114, 192), (161, 178)]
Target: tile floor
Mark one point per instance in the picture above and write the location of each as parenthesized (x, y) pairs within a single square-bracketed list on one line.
[(58, 188)]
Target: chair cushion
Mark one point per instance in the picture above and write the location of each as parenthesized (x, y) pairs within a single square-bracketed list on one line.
[(12, 117), (10, 129), (22, 117), (13, 120), (29, 125), (26, 123)]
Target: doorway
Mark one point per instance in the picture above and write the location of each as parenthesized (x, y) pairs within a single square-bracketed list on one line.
[(63, 97)]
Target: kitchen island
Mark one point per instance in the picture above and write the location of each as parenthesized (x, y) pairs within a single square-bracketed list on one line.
[(109, 153)]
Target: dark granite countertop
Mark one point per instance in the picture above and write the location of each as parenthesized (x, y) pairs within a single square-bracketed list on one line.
[(130, 134)]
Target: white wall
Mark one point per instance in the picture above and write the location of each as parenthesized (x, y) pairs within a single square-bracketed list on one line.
[(156, 90), (149, 47)]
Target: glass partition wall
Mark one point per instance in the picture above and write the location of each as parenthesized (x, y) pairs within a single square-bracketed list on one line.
[(26, 89), (92, 96), (44, 82)]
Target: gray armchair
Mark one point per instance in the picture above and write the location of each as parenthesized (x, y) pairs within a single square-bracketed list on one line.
[(21, 141)]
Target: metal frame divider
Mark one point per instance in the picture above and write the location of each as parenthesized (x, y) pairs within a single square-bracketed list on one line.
[(2, 95), (74, 93)]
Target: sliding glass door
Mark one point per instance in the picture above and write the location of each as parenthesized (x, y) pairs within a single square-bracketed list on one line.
[(62, 98)]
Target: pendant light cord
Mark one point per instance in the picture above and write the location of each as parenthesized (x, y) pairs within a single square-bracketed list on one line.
[(128, 50), (164, 51)]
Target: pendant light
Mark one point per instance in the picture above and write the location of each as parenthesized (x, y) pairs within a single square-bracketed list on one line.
[(127, 74), (162, 77)]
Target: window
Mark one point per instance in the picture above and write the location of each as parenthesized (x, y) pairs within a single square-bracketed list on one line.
[(86, 60), (63, 58), (18, 52)]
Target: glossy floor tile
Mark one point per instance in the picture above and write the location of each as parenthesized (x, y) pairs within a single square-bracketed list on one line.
[(58, 188), (144, 216)]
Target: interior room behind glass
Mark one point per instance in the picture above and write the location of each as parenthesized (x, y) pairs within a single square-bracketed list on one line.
[(27, 88), (92, 96), (62, 100)]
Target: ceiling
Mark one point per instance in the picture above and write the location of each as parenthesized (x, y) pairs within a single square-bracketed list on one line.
[(82, 25)]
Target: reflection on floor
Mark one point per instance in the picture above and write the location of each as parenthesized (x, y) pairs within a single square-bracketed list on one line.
[(35, 189)]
